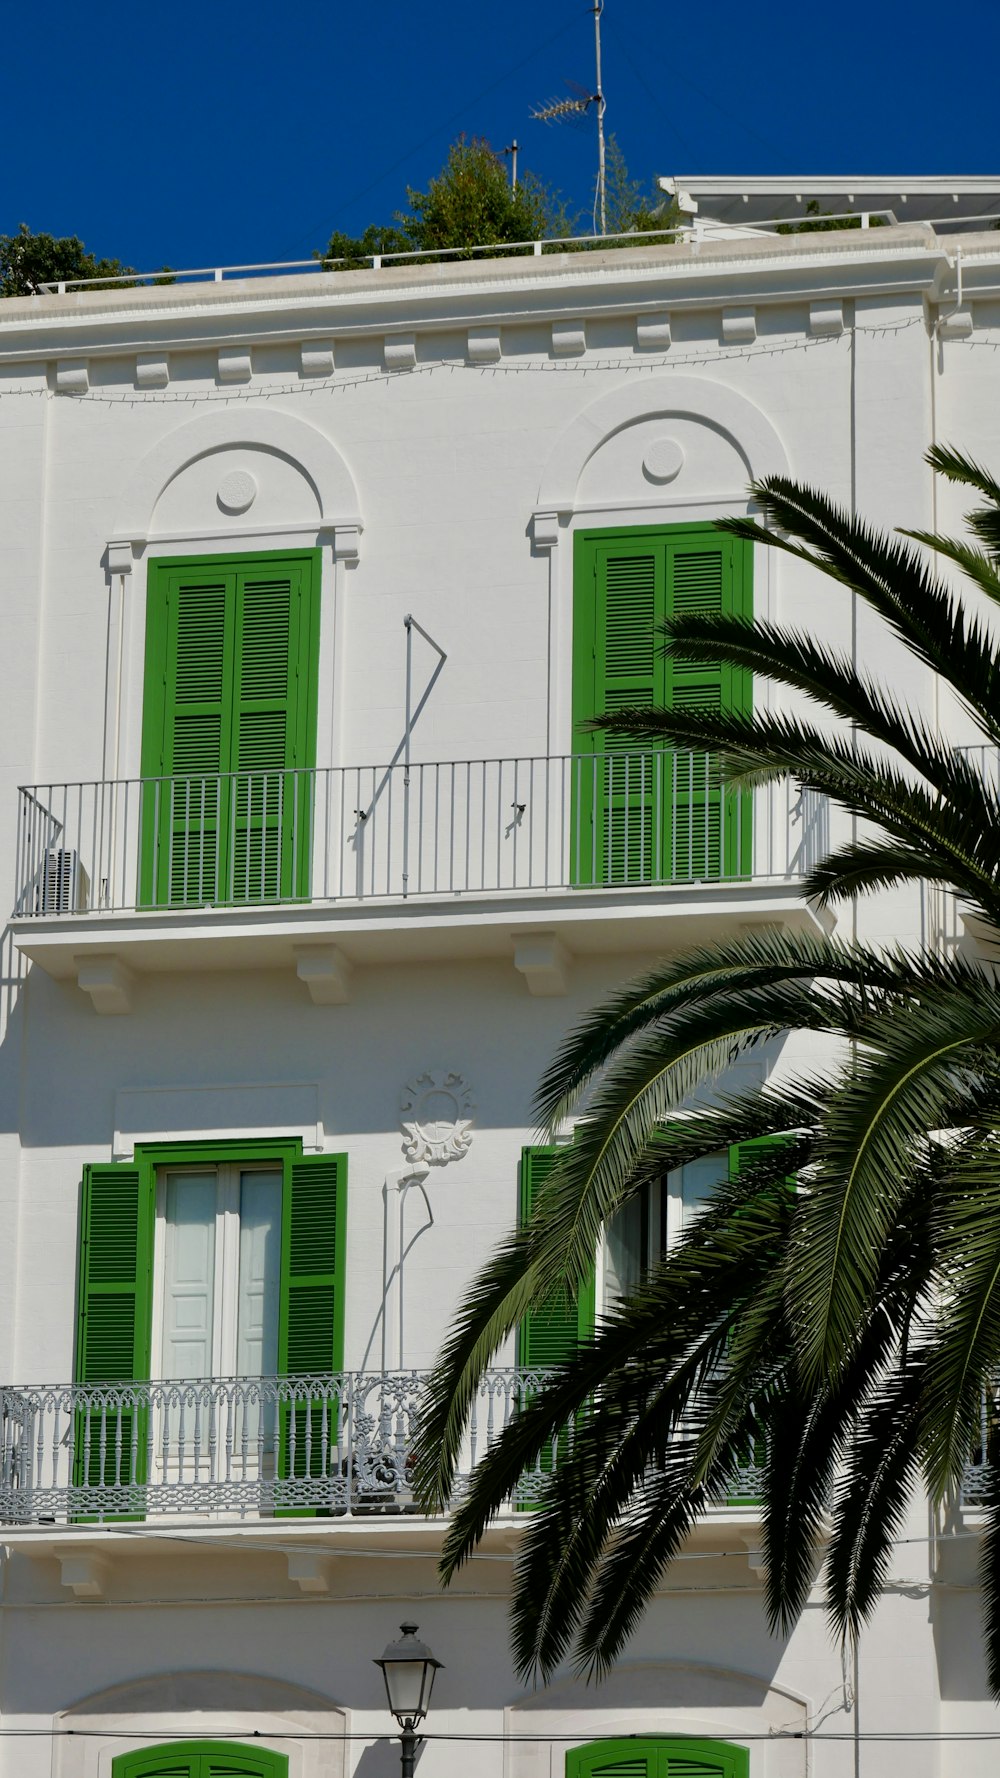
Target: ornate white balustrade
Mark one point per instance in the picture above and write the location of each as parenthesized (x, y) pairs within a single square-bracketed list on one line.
[(250, 1447), (241, 1447)]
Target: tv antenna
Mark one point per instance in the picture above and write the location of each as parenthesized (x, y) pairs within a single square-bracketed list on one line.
[(575, 109)]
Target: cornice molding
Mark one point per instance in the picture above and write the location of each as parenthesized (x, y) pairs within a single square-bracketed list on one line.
[(563, 290)]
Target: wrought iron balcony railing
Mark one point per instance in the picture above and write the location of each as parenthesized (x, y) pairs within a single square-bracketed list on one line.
[(242, 1447), (350, 834)]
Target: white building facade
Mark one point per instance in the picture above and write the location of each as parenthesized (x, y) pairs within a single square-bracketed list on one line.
[(309, 582)]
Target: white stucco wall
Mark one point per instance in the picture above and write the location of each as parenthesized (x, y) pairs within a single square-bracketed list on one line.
[(450, 490)]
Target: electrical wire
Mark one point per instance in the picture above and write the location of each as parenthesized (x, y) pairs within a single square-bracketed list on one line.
[(904, 1737)]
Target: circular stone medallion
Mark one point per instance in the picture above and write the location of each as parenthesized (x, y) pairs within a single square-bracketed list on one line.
[(237, 491), (664, 460)]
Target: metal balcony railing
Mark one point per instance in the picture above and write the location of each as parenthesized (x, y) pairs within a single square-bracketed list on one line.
[(461, 827), (243, 1447)]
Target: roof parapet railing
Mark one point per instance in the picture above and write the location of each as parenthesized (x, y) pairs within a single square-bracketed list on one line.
[(704, 227)]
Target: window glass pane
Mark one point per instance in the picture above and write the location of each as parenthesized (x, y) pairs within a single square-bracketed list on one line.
[(260, 1253), (189, 1275), (625, 1251)]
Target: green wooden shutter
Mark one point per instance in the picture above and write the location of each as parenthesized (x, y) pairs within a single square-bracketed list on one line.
[(311, 1328), (653, 815), (658, 1756), (229, 727), (548, 1335), (114, 1311), (200, 1759)]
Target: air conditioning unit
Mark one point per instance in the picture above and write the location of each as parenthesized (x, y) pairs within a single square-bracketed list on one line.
[(64, 886)]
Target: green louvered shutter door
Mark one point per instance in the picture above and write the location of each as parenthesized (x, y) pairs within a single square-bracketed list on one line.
[(113, 1334), (710, 834), (270, 733), (652, 815), (547, 1336), (200, 1759), (311, 1329), (229, 729), (666, 1756)]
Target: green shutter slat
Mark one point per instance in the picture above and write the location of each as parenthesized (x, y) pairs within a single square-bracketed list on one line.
[(201, 644), (697, 582), (622, 1768), (630, 616), (265, 663)]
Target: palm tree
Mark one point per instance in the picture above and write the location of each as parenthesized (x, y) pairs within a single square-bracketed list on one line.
[(846, 1331)]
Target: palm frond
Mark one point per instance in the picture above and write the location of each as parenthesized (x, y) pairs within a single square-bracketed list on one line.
[(871, 1499), (789, 658), (875, 1120), (892, 578), (750, 963), (964, 1353)]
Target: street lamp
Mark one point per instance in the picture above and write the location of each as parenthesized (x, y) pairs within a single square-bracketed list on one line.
[(408, 1668)]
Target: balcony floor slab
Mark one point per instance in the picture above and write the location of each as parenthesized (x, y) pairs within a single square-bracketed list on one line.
[(588, 922)]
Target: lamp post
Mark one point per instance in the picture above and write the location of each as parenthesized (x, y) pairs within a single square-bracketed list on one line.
[(408, 1668)]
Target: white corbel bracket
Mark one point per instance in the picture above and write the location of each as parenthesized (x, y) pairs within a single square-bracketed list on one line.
[(120, 557), (326, 972), (108, 981), (652, 332), (739, 326), (72, 376), (399, 351), (545, 530), (316, 358), (544, 961), (569, 339), (826, 319), (347, 542), (152, 370), (86, 1576), (311, 1571), (234, 364), (483, 345)]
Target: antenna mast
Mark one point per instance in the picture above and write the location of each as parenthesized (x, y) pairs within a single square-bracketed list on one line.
[(574, 110), (601, 203)]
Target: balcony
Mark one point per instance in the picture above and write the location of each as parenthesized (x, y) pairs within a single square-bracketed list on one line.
[(245, 1449), (399, 862)]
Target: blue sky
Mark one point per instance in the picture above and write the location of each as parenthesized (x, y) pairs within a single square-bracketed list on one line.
[(198, 133)]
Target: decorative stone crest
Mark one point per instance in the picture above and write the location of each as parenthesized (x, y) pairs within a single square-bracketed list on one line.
[(436, 1112)]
